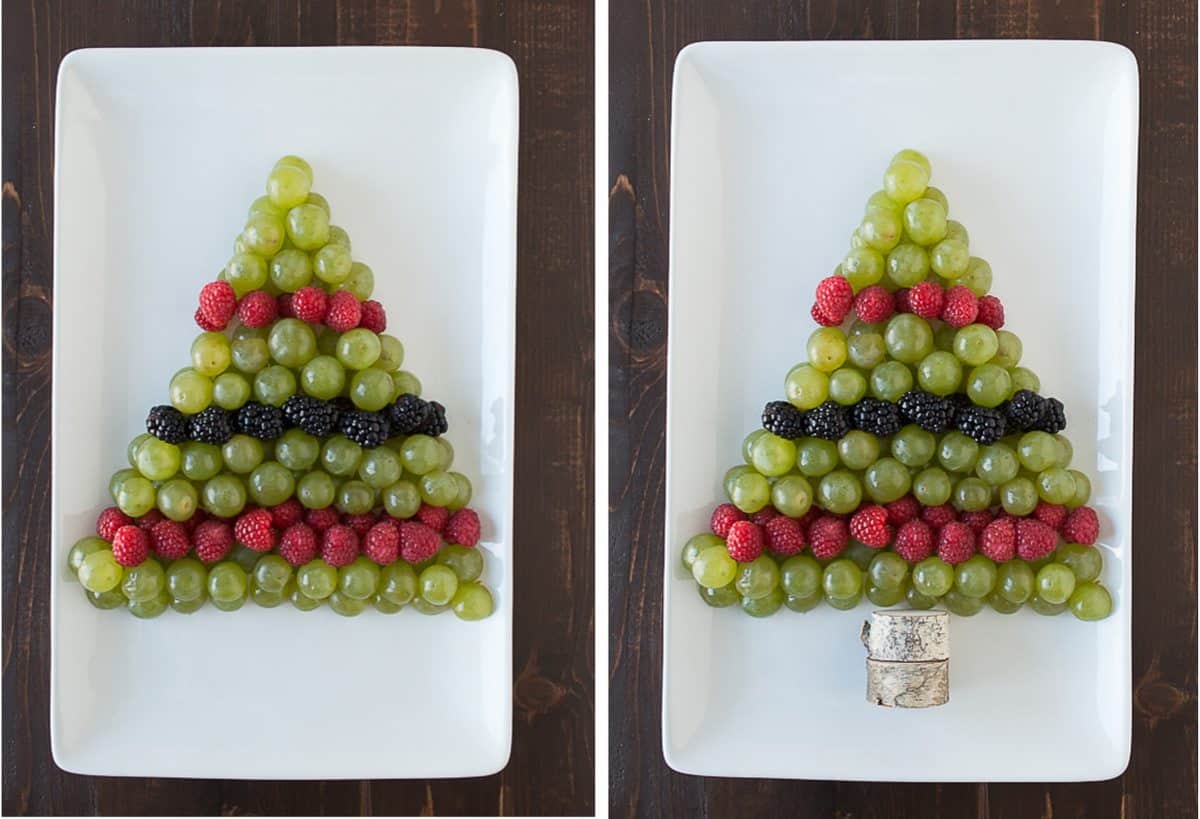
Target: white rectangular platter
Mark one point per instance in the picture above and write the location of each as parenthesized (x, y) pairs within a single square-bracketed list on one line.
[(775, 149), (159, 154)]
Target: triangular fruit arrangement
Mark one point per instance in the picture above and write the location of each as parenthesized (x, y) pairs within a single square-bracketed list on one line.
[(295, 461), (914, 459)]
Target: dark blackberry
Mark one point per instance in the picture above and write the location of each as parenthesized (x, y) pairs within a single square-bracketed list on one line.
[(167, 424), (984, 425), (211, 426), (314, 416), (782, 419), (876, 417), (261, 421), (408, 414), (367, 429), (435, 422), (1054, 417), (957, 403), (829, 421), (930, 412), (1023, 410)]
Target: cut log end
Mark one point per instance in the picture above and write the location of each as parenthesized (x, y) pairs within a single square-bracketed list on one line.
[(907, 636)]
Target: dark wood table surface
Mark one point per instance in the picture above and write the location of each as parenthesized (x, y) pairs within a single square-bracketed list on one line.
[(1161, 778), (551, 770)]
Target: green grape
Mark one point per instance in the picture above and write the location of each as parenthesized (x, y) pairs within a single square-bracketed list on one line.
[(83, 548), (1054, 583), (955, 230), (118, 478), (224, 495), (381, 467), (1024, 378), (1085, 562), (713, 568), (907, 264), (143, 582), (989, 385), (758, 578), (1090, 601), (803, 603), (145, 609), (272, 573), (289, 183), (1065, 453), (308, 226), (839, 492), (250, 355), (158, 460), (331, 264), (406, 383), (884, 597), (890, 380), (800, 576), (975, 344), (290, 270), (773, 456), (360, 580), (245, 272), (719, 598), (211, 354), (847, 386), (301, 600), (860, 553), (371, 389), (978, 278), (245, 557), (187, 580), (750, 493), (420, 454), (866, 350), (447, 453), (317, 199), (971, 495), (231, 391), (438, 488), (263, 598), (806, 387), (862, 267), (841, 580), (242, 453), (888, 571), (950, 259), (464, 492), (263, 234), (317, 580), (908, 338), (763, 606), (975, 577), (297, 450), (391, 354), (913, 446), (274, 385), (1083, 489), (135, 497), (190, 391), (918, 601), (341, 456), (911, 155), (933, 577), (99, 572), (880, 201), (1001, 604), (134, 445), (1019, 497), (958, 603), (327, 341), (242, 332), (263, 204), (1045, 607), (324, 377), (1008, 349), (816, 457), (792, 495), (827, 349), (881, 229), (748, 444), (906, 180), (177, 499), (931, 486), (943, 337), (472, 601), (1055, 485), (857, 449), (957, 452), (111, 599), (844, 603), (997, 464), (360, 281), (401, 500), (398, 583), (886, 480), (358, 348), (355, 498), (732, 473), (292, 343), (925, 222), (346, 606), (271, 484), (437, 584), (939, 373), (467, 564), (938, 196)]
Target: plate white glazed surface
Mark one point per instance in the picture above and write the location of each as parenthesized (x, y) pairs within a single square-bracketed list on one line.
[(775, 149), (159, 154)]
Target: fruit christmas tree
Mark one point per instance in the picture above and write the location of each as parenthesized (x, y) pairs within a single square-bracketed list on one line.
[(296, 460), (914, 459)]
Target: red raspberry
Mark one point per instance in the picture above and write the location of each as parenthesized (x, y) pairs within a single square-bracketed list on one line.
[(382, 543), (1050, 514), (903, 510), (938, 516), (283, 306), (257, 309), (298, 544), (835, 297), (463, 528), (213, 540), (991, 312), (785, 536), (869, 525), (418, 542), (110, 520), (955, 542), (217, 304), (978, 521), (961, 306), (169, 540), (1035, 539), (130, 545), (344, 312), (204, 324), (927, 299), (745, 541), (374, 317), (914, 541), (151, 519), (286, 514), (763, 515), (903, 301), (810, 517), (723, 517), (822, 319), (434, 517), (361, 524), (1081, 526), (998, 540), (874, 304), (321, 519), (198, 517), (339, 545), (253, 530), (827, 536), (309, 304)]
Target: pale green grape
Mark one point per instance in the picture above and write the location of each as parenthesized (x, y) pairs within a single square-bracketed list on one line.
[(912, 155), (719, 598), (933, 577), (398, 583), (360, 281), (438, 488), (857, 450), (242, 453), (99, 572), (713, 568), (360, 580), (158, 460), (997, 464), (292, 342), (245, 272), (905, 180), (82, 549), (331, 264), (1008, 350), (955, 230), (1055, 485), (1085, 562), (354, 498), (932, 487), (463, 497), (748, 444), (1019, 497), (827, 349), (938, 196), (773, 456), (888, 571), (190, 391), (1065, 451), (153, 607), (925, 222), (886, 480), (134, 445), (301, 600), (105, 601), (324, 377), (847, 386), (177, 499), (865, 350), (263, 204), (949, 259), (391, 354), (988, 385), (1024, 378), (231, 391), (763, 606), (371, 389), (1090, 601), (187, 580), (135, 496), (839, 492), (908, 338), (200, 461), (406, 384), (881, 201), (971, 495), (750, 492), (308, 226), (358, 348), (975, 577), (863, 267), (420, 454), (801, 576), (913, 446), (860, 553), (289, 184), (907, 264), (297, 450), (841, 580), (380, 467), (957, 452), (806, 387), (317, 580), (250, 355), (1083, 489), (1014, 581), (348, 606), (472, 601), (758, 578), (816, 457), (884, 598), (1044, 607), (270, 484), (1055, 583), (274, 385), (890, 380), (958, 603), (939, 373), (978, 278), (881, 229), (401, 500), (211, 354), (792, 495), (290, 270), (975, 344), (224, 495), (437, 584), (263, 234), (467, 564), (119, 477), (918, 601)]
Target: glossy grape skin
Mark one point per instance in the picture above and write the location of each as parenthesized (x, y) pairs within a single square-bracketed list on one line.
[(82, 549), (99, 572), (323, 377), (227, 583), (975, 344), (932, 486), (105, 601), (714, 568), (908, 337), (933, 577), (997, 464), (211, 354), (881, 229), (406, 383), (274, 385), (1014, 581), (270, 484), (135, 445), (758, 578), (301, 600), (748, 444), (472, 601), (380, 467), (358, 348), (841, 580), (884, 598), (187, 580), (750, 492), (360, 281), (881, 201), (1090, 601), (862, 267), (242, 454), (1024, 378), (1046, 608), (978, 278), (975, 577), (971, 495), (886, 480), (950, 258), (888, 571), (925, 222), (1037, 451), (1002, 605), (224, 495), (190, 392), (371, 389), (250, 355), (827, 349), (907, 264), (1055, 485), (792, 495), (857, 449), (1055, 583), (943, 337), (940, 373), (866, 350), (245, 272), (890, 380), (354, 498), (199, 461), (989, 385), (317, 579), (839, 492), (360, 580), (800, 575), (420, 454), (290, 270), (772, 456), (1083, 489), (806, 387), (135, 496), (263, 204), (467, 563), (118, 478), (719, 598), (905, 180), (958, 603), (438, 488), (913, 446), (1019, 497), (151, 607), (297, 450), (340, 456), (289, 183), (1008, 350), (231, 391), (816, 457), (391, 354), (1066, 452), (292, 343), (346, 606), (177, 499), (847, 386), (918, 601), (331, 264), (401, 499), (158, 460), (437, 585), (308, 226), (263, 234), (463, 495)]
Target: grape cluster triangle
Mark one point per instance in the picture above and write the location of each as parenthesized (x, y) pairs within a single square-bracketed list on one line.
[(295, 461), (911, 459)]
